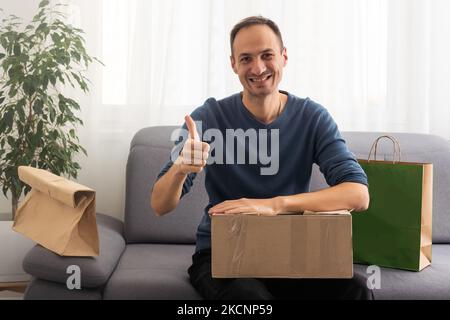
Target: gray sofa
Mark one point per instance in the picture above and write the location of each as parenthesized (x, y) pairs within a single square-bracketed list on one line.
[(146, 257)]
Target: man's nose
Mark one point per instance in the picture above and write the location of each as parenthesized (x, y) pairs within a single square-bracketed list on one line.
[(258, 67)]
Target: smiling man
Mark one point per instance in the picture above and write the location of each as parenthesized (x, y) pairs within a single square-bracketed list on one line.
[(298, 131)]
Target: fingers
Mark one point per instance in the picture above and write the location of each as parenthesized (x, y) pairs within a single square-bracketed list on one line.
[(191, 145), (242, 206), (190, 168), (195, 152), (193, 134), (243, 210), (226, 205), (188, 154), (193, 162)]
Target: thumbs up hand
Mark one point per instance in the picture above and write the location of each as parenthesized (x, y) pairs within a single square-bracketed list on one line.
[(193, 134), (195, 152)]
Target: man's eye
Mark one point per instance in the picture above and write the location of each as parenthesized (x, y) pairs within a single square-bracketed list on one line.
[(267, 56), (245, 60)]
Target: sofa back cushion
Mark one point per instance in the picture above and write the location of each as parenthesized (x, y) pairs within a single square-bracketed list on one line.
[(150, 149)]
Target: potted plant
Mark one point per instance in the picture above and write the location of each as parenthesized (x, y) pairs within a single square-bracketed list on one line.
[(37, 121)]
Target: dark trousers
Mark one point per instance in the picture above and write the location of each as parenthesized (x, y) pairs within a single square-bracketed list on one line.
[(268, 289)]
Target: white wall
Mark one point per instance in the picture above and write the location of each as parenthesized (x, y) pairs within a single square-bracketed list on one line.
[(22, 8)]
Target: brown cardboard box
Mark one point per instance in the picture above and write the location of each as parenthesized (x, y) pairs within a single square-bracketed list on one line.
[(283, 246)]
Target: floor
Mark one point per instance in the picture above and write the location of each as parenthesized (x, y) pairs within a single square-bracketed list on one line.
[(12, 291), (10, 295)]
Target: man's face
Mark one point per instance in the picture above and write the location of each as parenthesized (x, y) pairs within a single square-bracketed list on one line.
[(258, 60)]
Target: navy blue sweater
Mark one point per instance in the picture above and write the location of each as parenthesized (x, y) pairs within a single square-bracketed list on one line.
[(304, 133)]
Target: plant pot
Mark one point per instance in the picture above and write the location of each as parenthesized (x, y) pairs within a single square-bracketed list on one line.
[(13, 248)]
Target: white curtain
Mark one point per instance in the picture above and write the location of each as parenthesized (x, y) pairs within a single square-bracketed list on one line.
[(376, 65)]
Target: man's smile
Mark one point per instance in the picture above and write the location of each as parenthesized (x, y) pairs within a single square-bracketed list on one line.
[(260, 79)]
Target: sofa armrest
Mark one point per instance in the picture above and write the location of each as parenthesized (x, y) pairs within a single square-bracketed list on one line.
[(95, 271)]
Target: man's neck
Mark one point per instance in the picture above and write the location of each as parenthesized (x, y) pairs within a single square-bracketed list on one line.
[(266, 109)]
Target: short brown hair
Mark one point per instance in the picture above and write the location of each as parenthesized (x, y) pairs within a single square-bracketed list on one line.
[(255, 20)]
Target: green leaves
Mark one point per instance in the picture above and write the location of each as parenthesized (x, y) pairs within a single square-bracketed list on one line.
[(29, 86), (12, 92), (38, 127), (43, 3), (17, 50), (7, 120), (4, 42), (42, 31), (38, 107)]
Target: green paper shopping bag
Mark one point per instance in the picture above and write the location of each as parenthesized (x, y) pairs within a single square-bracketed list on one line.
[(395, 231)]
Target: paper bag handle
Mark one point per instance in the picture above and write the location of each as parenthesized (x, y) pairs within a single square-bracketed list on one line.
[(395, 144)]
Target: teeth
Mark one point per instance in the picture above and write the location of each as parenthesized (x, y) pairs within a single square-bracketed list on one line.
[(260, 79)]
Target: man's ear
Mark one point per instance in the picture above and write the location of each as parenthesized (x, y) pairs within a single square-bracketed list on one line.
[(285, 56), (233, 64)]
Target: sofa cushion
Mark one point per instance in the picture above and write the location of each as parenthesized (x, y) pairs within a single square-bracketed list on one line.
[(414, 148), (433, 282), (150, 150), (39, 289), (152, 271), (95, 271)]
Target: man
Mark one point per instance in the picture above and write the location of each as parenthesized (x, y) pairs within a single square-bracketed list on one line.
[(304, 134)]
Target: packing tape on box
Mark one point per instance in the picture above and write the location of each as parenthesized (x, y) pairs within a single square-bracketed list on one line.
[(238, 230)]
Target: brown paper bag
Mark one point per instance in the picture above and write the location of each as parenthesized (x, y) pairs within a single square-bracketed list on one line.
[(58, 214)]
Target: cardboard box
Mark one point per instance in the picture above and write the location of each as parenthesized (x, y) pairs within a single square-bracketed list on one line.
[(283, 246)]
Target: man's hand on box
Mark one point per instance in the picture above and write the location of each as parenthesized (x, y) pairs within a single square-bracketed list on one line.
[(269, 207), (195, 152)]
